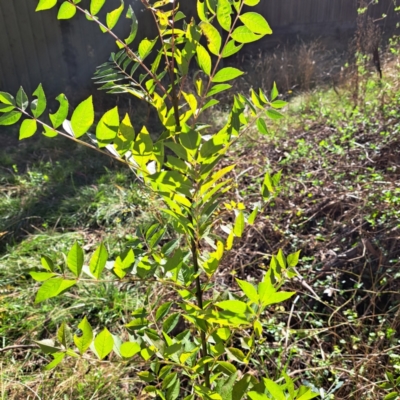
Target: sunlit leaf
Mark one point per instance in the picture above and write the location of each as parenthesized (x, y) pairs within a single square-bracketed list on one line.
[(227, 74), (103, 343), (256, 23), (66, 11), (75, 259), (38, 106), (60, 116), (214, 39), (134, 25), (203, 59), (113, 16), (129, 349), (96, 6), (45, 5), (108, 126), (242, 34), (98, 261), (27, 128), (41, 276), (83, 117), (52, 288), (84, 336)]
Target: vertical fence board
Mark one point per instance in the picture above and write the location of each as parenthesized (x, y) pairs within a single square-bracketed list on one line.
[(35, 47)]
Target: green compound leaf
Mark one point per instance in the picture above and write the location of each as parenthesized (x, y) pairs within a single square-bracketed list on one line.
[(227, 74), (98, 261), (52, 288), (103, 343), (22, 99), (45, 5), (10, 118), (96, 6), (84, 336), (66, 11), (38, 106), (256, 23), (134, 26), (62, 113), (113, 16), (75, 259), (242, 34), (213, 37), (83, 117), (251, 3), (28, 128), (203, 59), (108, 126)]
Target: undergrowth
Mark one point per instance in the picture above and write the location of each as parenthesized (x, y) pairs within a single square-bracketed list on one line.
[(340, 205)]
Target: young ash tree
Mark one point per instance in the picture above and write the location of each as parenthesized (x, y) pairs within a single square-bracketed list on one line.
[(211, 355)]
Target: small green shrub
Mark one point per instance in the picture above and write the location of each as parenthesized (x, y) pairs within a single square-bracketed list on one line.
[(191, 339)]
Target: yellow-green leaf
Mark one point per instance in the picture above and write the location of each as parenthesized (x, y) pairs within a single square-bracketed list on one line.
[(83, 336), (249, 290), (224, 11), (96, 6), (83, 117), (103, 343), (227, 74), (239, 225), (6, 98), (129, 349), (45, 5), (66, 11), (242, 34), (10, 118), (203, 59), (113, 16), (256, 23), (41, 276), (60, 116), (213, 37), (52, 288), (231, 49), (108, 126), (98, 261), (27, 129), (234, 306), (75, 259), (38, 106)]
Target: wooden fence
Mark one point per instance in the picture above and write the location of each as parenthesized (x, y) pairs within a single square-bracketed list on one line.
[(35, 47)]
